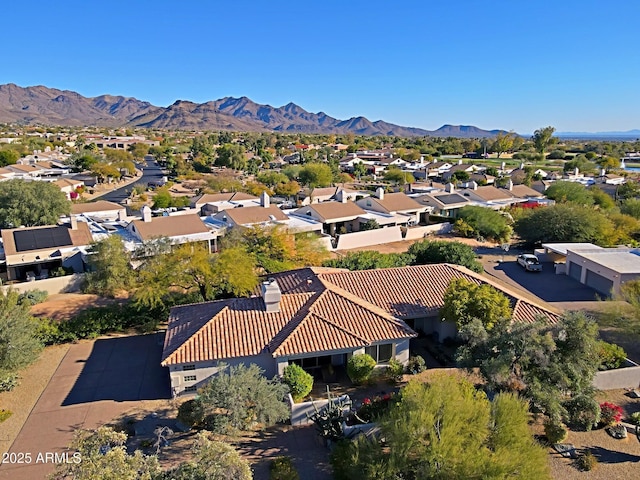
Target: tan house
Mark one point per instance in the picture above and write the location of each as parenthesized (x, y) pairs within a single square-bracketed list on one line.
[(32, 252), (69, 186), (318, 318), (336, 217), (100, 210), (210, 203), (405, 209), (178, 229)]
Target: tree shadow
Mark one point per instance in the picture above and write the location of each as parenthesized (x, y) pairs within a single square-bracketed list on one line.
[(604, 455)]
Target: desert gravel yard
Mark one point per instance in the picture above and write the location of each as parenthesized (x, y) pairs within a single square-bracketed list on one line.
[(21, 400)]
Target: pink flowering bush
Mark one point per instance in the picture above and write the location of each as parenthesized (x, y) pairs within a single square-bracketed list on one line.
[(610, 413)]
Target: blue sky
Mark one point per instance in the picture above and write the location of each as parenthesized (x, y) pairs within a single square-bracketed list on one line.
[(515, 65)]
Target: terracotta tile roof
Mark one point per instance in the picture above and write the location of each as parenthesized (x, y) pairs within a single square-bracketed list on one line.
[(226, 329), (322, 310), (331, 210), (172, 226), (395, 202), (417, 291), (99, 206), (257, 214)]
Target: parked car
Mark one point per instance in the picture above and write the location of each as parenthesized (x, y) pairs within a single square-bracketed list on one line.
[(529, 262)]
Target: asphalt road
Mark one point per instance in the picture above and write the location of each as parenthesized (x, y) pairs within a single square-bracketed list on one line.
[(151, 173)]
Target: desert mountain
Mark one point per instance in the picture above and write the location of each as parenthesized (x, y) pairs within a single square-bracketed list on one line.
[(50, 106)]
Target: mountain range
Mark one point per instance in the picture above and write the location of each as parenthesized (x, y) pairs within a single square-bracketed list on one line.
[(50, 106)]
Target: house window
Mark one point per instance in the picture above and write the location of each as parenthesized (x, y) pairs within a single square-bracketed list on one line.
[(380, 353), (189, 367), (192, 388), (189, 378)]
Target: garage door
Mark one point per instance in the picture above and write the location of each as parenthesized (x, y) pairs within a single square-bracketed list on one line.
[(575, 270), (599, 283)]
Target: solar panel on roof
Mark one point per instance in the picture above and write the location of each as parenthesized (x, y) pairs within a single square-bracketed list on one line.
[(40, 238)]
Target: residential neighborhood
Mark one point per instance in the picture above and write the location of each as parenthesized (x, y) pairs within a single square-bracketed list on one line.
[(324, 264)]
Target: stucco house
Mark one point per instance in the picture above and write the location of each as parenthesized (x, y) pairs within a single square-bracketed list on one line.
[(317, 317), (405, 209)]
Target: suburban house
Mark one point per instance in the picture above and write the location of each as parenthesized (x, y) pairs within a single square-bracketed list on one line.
[(444, 204), (264, 213), (327, 194), (178, 229), (336, 217), (603, 269), (100, 211), (31, 253), (69, 187), (209, 203), (405, 209), (317, 318), (461, 167)]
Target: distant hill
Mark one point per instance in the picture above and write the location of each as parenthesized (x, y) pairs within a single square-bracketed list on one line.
[(50, 106)]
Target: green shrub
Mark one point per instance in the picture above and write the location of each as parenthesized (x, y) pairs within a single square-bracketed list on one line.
[(4, 414), (583, 412), (50, 333), (8, 381), (634, 418), (611, 355), (555, 431), (282, 468), (32, 297), (394, 370), (300, 382), (416, 365), (191, 412), (587, 461), (359, 367)]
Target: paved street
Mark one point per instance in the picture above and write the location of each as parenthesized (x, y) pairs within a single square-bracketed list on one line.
[(95, 382), (150, 173)]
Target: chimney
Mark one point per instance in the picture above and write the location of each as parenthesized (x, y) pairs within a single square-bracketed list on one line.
[(576, 171), (449, 188), (271, 295), (460, 162), (146, 213), (473, 185), (380, 193), (502, 167), (264, 200), (510, 185), (603, 172), (521, 165), (74, 222), (421, 159), (122, 215), (341, 196)]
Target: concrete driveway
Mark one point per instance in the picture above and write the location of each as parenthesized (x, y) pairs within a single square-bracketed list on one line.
[(96, 382)]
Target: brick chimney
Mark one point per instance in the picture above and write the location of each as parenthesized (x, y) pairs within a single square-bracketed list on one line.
[(271, 295)]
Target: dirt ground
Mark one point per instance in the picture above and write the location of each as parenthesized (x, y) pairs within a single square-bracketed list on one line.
[(22, 399), (63, 306)]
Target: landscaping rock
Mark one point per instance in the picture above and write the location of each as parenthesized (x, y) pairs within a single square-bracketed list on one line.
[(634, 394), (618, 431), (567, 450)]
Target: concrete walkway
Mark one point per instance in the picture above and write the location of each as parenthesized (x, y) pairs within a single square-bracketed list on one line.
[(96, 382)]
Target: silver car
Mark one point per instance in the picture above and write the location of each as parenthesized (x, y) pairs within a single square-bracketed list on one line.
[(529, 262)]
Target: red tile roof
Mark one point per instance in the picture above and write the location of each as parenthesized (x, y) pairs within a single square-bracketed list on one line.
[(321, 310)]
